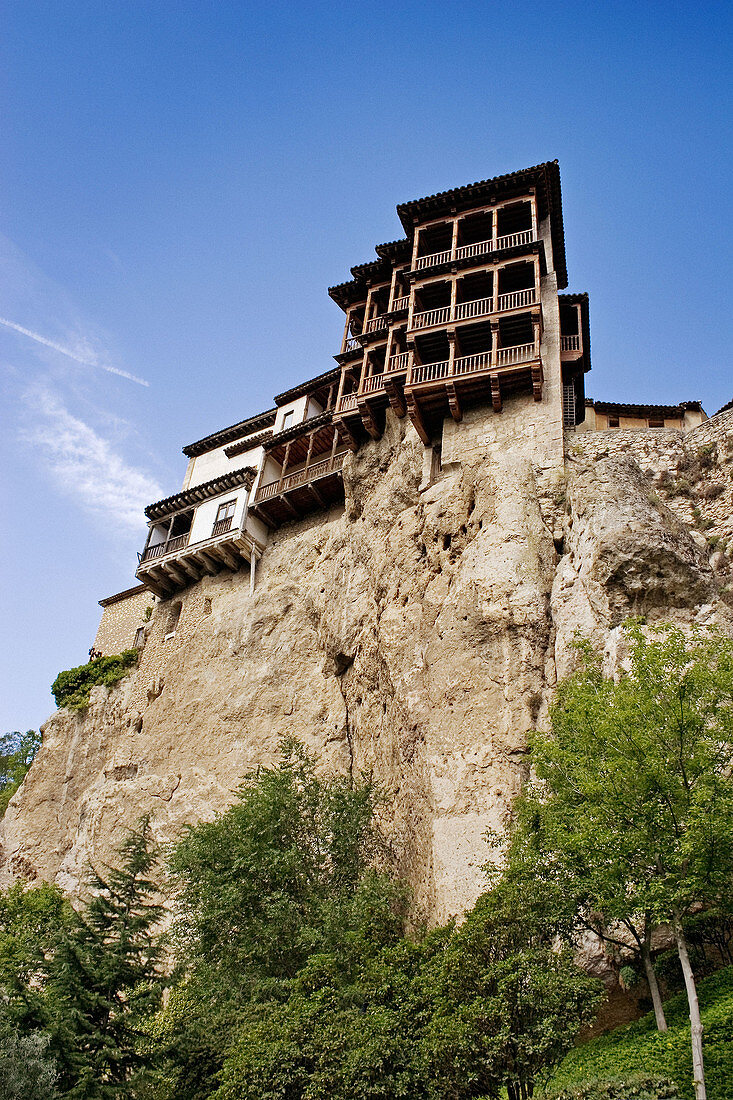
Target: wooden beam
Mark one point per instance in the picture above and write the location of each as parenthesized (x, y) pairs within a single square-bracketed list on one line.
[(453, 402), (537, 382), (413, 410), (395, 397), (178, 575), (495, 392), (368, 421), (210, 564), (319, 499), (189, 566), (231, 560)]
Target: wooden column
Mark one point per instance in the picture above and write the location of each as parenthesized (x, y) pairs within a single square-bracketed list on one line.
[(311, 437), (346, 329), (453, 296), (494, 343), (415, 243), (285, 464), (533, 204), (454, 239), (391, 288)]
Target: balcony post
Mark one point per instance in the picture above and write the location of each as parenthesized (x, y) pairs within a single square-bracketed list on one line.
[(367, 308), (310, 451), (451, 334), (533, 207), (495, 290), (388, 351), (494, 343), (284, 465), (415, 245), (392, 288), (346, 329), (334, 445), (492, 227), (453, 296), (454, 240)]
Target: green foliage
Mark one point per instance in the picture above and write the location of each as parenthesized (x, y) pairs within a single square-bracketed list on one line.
[(17, 751), (639, 1086), (27, 1070), (71, 688), (640, 1047), (105, 979), (302, 981)]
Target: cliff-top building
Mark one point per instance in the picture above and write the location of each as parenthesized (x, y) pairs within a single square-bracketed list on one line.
[(464, 310)]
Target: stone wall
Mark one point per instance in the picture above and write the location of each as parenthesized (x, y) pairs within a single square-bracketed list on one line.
[(121, 619)]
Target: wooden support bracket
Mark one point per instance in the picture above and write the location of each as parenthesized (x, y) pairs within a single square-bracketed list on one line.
[(537, 383), (453, 402), (415, 415), (496, 393)]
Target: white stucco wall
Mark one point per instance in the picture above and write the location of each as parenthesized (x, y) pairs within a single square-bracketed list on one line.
[(205, 515), (215, 463)]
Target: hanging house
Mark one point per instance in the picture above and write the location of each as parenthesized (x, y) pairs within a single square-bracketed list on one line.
[(465, 309)]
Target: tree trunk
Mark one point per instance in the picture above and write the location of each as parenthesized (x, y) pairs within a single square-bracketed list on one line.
[(651, 978), (698, 1070)]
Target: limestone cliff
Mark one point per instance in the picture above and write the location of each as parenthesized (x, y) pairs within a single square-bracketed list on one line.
[(415, 635)]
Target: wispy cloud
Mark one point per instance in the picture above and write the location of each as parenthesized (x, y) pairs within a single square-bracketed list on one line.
[(89, 360), (86, 466)]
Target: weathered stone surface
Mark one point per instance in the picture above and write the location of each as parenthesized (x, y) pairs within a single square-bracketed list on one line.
[(414, 635)]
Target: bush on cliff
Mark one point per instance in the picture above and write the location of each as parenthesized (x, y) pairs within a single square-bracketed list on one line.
[(71, 688)]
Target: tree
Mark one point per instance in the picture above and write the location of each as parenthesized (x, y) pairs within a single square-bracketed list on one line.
[(633, 807), (105, 978), (27, 1070), (17, 751), (287, 876), (508, 998)]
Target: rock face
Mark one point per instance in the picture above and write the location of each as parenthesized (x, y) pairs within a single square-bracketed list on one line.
[(415, 635)]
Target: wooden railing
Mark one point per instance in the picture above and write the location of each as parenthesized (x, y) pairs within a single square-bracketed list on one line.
[(327, 466), (479, 248), (162, 548), (472, 364), (399, 361), (428, 372), (433, 259), (222, 526), (478, 307), (465, 251), (347, 403), (516, 300), (376, 323), (570, 343), (512, 240), (467, 364), (352, 343), (431, 317), (400, 303), (372, 383), (522, 353)]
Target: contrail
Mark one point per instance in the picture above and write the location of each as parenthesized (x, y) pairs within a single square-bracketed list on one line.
[(72, 355)]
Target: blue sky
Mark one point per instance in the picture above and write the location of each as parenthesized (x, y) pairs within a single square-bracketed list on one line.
[(182, 181)]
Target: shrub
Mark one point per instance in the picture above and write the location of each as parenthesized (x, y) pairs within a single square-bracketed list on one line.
[(636, 1087), (638, 1045), (71, 688)]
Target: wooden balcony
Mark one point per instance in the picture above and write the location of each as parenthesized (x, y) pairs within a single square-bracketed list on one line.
[(177, 563), (376, 324), (480, 248), (571, 347), (318, 485), (432, 389), (479, 307), (400, 304)]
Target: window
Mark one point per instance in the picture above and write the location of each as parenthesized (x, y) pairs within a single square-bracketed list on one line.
[(613, 422), (226, 510), (139, 637), (287, 419), (655, 422)]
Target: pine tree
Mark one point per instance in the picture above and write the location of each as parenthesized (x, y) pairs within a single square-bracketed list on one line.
[(106, 980)]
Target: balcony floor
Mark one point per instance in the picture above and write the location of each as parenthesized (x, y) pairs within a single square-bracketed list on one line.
[(171, 572)]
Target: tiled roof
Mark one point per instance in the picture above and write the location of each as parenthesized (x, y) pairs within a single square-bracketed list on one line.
[(623, 409), (724, 408), (199, 493), (302, 388), (123, 595), (228, 435), (546, 175)]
